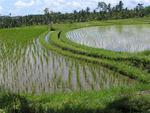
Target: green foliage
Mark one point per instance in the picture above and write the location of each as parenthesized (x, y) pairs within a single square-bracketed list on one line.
[(12, 103), (114, 100), (137, 104)]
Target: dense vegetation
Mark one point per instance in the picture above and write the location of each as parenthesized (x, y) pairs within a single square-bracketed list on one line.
[(115, 100), (103, 11)]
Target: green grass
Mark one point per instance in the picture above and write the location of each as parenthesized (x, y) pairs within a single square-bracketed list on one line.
[(18, 38), (114, 100), (22, 34)]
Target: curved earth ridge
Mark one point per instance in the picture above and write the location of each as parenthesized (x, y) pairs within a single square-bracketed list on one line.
[(135, 59)]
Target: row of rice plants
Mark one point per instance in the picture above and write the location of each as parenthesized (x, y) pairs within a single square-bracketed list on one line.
[(122, 68), (33, 69)]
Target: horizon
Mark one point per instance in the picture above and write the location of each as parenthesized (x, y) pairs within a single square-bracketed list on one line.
[(34, 7)]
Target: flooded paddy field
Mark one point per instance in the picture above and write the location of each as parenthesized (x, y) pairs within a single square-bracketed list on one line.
[(31, 68), (125, 38)]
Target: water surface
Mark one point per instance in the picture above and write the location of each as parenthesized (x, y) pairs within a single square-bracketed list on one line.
[(127, 38)]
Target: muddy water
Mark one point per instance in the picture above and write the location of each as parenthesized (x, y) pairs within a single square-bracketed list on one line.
[(34, 69), (127, 38)]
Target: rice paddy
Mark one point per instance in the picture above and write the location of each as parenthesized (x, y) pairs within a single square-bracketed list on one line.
[(126, 38), (34, 69), (76, 67)]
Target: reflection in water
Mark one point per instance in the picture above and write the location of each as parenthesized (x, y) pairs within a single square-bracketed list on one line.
[(129, 38), (33, 69)]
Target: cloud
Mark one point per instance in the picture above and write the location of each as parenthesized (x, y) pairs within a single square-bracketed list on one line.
[(61, 5), (23, 4), (70, 5), (1, 9), (66, 5)]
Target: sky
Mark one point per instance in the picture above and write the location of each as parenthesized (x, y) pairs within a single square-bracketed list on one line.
[(25, 7)]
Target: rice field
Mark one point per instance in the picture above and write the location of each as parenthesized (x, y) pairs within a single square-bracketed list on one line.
[(34, 69), (80, 67), (125, 38)]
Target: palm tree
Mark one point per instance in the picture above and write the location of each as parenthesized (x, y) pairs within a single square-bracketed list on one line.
[(120, 6), (87, 10), (140, 9), (102, 6)]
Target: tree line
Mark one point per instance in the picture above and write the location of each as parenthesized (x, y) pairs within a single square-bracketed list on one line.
[(103, 11)]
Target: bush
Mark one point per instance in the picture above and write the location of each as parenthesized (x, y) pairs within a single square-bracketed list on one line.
[(130, 105), (13, 103)]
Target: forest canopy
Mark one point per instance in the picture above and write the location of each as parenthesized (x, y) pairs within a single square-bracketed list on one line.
[(102, 11)]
